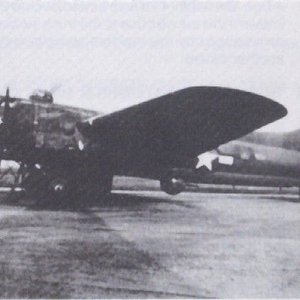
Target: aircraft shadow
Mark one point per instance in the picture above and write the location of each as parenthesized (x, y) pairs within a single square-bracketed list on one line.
[(121, 201)]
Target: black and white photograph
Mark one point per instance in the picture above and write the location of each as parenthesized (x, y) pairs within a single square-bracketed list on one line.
[(149, 149)]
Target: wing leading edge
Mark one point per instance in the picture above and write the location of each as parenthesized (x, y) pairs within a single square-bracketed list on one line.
[(180, 124)]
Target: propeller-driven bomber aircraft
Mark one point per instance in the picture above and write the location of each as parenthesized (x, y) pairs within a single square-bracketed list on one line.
[(65, 152), (257, 159)]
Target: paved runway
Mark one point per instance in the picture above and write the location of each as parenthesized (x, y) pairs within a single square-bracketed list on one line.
[(148, 244)]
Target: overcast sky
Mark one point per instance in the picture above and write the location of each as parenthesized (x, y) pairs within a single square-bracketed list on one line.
[(109, 55)]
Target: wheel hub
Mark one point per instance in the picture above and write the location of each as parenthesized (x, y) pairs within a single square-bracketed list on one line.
[(59, 187)]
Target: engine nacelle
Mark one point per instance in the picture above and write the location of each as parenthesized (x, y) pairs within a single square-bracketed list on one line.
[(172, 186)]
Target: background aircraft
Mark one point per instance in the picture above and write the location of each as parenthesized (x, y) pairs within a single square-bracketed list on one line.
[(285, 140), (257, 159), (66, 151)]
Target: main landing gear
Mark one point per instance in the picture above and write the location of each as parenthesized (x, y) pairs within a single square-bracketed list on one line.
[(172, 185), (65, 185)]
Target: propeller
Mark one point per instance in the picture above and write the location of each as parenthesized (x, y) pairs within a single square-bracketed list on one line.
[(6, 100), (5, 134), (7, 122)]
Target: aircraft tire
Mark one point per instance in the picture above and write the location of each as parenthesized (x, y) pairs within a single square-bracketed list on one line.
[(61, 187), (172, 186), (64, 186)]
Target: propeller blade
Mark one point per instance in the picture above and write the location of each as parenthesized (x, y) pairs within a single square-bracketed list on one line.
[(6, 100)]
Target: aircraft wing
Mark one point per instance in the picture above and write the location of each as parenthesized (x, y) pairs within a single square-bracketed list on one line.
[(180, 124)]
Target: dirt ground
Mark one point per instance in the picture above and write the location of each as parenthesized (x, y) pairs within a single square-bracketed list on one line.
[(148, 244)]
